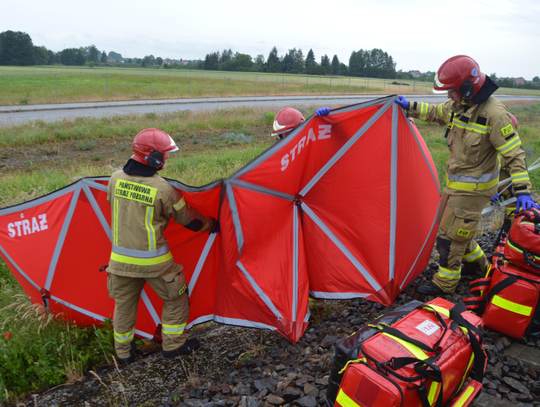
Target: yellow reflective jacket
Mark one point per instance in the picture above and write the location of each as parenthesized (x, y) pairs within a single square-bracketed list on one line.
[(141, 208), (476, 136)]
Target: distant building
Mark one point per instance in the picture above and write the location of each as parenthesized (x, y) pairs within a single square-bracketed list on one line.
[(416, 74), (517, 81)]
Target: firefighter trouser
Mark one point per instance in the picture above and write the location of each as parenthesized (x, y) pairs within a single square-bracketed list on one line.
[(458, 220), (170, 287), (316, 305)]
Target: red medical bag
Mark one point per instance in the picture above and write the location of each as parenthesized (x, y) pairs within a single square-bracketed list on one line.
[(423, 359), (523, 245), (507, 299)]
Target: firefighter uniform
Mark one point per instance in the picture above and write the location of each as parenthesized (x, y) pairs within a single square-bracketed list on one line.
[(141, 208), (477, 134)]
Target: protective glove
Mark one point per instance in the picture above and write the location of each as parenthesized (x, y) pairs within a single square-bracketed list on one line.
[(323, 111), (525, 202), (404, 103), (216, 227), (495, 198)]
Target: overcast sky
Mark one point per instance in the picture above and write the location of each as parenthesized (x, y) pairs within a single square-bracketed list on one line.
[(503, 36)]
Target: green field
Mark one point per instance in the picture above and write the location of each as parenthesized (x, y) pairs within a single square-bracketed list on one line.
[(38, 158), (41, 84)]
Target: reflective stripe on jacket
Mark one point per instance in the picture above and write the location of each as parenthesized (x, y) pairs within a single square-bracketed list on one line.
[(141, 208), (476, 136)]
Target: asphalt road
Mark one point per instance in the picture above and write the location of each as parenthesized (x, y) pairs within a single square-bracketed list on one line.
[(17, 115)]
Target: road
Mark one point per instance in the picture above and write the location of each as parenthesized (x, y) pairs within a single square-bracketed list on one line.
[(18, 115)]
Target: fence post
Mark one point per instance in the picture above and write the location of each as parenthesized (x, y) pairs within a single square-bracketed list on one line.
[(414, 86), (56, 80), (107, 84), (367, 86), (349, 84), (330, 87), (256, 83), (224, 85), (150, 84), (307, 85), (189, 84), (283, 83)]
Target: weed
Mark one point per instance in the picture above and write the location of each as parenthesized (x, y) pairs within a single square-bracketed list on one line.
[(192, 377), (42, 350), (96, 157), (254, 349), (113, 387), (52, 150), (85, 145)]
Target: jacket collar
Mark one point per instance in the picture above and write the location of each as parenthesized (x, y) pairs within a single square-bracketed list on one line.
[(136, 168)]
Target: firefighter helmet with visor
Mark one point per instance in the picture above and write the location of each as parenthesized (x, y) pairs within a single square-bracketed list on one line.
[(460, 73), (151, 147), (286, 121)]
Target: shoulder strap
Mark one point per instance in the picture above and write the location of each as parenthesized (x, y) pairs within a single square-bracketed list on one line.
[(450, 125)]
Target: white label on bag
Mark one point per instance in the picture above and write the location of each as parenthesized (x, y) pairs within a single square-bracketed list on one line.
[(428, 327)]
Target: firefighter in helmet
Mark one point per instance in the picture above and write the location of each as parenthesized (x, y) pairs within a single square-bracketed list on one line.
[(286, 121), (142, 204), (478, 129)]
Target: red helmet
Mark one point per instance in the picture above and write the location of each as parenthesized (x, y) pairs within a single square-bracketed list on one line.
[(287, 120), (461, 73), (151, 146), (514, 120)]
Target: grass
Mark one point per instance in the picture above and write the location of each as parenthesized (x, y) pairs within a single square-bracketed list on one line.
[(34, 85), (41, 351), (38, 350)]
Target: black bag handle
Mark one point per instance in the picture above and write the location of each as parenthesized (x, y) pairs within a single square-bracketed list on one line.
[(528, 260), (501, 285)]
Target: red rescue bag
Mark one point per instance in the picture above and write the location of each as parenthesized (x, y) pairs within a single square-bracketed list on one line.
[(523, 245), (423, 359), (507, 299)]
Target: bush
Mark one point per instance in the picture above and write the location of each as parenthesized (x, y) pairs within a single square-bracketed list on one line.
[(38, 350)]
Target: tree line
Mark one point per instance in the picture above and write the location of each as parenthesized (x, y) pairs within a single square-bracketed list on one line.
[(373, 63), (17, 49)]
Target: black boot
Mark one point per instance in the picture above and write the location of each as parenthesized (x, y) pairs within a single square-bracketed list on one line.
[(471, 270), (191, 345), (430, 289), (133, 352)]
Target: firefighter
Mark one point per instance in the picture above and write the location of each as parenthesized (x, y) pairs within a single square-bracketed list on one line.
[(142, 204), (478, 130), (286, 121)]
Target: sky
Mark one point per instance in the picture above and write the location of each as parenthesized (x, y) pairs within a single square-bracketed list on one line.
[(503, 36)]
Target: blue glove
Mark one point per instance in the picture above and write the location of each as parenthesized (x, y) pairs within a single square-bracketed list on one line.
[(495, 198), (404, 103), (216, 228), (323, 111), (525, 202)]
